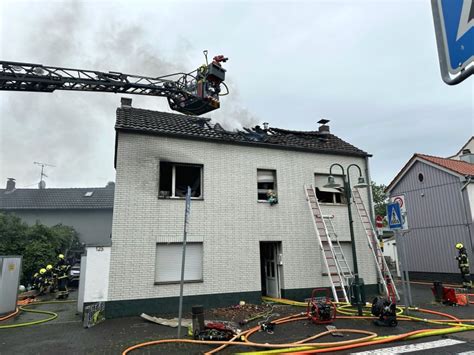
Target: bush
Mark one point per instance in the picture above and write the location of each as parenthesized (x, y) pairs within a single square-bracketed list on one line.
[(38, 244)]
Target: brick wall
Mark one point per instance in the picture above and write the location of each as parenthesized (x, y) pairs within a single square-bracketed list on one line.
[(229, 221)]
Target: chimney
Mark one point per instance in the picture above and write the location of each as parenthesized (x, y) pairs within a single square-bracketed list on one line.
[(323, 128), (126, 102), (467, 156), (265, 126), (10, 184)]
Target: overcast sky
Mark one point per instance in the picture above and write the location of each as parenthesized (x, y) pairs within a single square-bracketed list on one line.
[(371, 67)]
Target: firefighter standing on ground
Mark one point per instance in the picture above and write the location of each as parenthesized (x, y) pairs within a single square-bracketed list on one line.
[(463, 264), (62, 271)]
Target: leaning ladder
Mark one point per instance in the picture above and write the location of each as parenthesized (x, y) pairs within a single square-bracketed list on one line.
[(383, 271), (329, 259), (338, 252)]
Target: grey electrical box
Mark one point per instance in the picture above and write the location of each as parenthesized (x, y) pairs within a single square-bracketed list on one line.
[(10, 270)]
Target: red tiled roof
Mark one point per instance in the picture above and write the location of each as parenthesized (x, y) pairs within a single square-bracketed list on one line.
[(458, 166)]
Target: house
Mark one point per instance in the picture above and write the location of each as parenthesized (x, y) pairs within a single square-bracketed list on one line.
[(88, 210), (439, 199), (239, 246)]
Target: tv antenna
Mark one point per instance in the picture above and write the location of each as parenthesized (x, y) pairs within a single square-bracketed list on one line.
[(42, 183)]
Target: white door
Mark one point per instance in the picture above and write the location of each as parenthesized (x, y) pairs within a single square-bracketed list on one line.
[(271, 269)]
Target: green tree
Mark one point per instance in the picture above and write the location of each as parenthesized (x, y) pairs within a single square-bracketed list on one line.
[(380, 199), (38, 244)]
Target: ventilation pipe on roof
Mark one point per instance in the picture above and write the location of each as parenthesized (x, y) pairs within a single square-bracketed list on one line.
[(10, 184), (323, 128), (265, 126), (126, 102)]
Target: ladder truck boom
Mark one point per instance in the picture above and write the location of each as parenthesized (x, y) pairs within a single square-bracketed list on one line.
[(193, 93)]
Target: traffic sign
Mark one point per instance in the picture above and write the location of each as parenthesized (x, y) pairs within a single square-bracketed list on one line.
[(400, 199), (454, 27), (394, 216)]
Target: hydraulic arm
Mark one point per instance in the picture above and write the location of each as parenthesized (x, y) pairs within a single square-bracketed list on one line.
[(193, 93)]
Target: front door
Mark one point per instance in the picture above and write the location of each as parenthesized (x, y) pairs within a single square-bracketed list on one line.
[(270, 272)]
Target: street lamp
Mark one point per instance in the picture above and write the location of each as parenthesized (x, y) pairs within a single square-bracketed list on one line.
[(357, 287)]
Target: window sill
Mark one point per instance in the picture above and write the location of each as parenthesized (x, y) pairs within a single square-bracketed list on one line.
[(181, 198), (332, 204), (178, 282)]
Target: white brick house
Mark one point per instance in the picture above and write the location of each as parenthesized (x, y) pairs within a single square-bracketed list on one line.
[(232, 235)]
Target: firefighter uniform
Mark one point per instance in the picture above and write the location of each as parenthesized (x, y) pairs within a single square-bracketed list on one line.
[(62, 272), (463, 264), (51, 278)]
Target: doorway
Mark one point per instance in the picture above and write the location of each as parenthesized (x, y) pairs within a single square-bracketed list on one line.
[(270, 259)]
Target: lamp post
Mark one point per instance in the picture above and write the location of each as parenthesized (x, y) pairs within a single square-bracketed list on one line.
[(357, 287)]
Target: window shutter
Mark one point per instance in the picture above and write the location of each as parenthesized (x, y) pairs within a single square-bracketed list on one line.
[(265, 176), (168, 262)]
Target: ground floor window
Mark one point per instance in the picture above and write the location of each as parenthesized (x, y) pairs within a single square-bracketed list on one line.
[(168, 262)]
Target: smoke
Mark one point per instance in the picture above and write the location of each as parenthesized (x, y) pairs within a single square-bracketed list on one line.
[(75, 130)]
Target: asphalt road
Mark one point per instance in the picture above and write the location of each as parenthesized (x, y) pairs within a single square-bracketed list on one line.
[(65, 335)]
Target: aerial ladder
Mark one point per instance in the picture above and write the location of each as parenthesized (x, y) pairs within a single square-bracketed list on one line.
[(193, 93)]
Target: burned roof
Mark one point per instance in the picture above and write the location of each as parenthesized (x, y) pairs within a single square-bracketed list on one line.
[(54, 198), (170, 124)]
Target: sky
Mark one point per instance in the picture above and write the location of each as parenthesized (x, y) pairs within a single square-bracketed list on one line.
[(370, 67)]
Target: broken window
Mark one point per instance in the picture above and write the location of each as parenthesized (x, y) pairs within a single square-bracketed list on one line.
[(266, 184), (175, 179), (329, 194)]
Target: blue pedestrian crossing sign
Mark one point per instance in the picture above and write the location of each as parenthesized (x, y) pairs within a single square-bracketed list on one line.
[(454, 27), (394, 215)]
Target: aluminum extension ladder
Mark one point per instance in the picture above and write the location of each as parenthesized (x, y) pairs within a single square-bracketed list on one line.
[(334, 273), (338, 252), (383, 271)]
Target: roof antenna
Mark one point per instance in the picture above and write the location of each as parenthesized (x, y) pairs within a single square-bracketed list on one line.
[(205, 55), (42, 183)]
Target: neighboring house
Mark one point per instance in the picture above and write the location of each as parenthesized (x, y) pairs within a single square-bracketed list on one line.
[(465, 152), (239, 246), (88, 210), (439, 199)]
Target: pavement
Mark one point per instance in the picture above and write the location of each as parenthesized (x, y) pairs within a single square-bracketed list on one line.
[(66, 335)]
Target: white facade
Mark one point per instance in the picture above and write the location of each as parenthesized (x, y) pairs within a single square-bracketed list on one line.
[(229, 221)]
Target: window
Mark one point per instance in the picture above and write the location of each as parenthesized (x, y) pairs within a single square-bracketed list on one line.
[(168, 262), (175, 179), (329, 194), (266, 180), (421, 177)]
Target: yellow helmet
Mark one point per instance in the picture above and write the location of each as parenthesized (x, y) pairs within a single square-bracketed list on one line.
[(61, 256), (42, 271), (459, 246), (49, 267)]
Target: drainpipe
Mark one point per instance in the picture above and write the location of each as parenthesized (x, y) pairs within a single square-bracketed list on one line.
[(466, 216)]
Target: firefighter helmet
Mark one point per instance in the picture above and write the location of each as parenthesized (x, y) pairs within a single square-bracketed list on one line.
[(459, 246), (42, 271), (61, 256), (49, 267)]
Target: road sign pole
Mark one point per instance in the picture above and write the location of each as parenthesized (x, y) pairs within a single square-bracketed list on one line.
[(401, 261), (407, 275)]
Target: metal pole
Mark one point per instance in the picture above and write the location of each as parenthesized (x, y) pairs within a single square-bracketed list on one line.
[(186, 215), (407, 274), (400, 251)]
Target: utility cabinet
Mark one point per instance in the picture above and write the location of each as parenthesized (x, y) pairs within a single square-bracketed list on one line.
[(10, 270)]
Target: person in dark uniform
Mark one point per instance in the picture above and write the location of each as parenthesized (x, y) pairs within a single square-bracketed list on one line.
[(463, 264), (62, 272)]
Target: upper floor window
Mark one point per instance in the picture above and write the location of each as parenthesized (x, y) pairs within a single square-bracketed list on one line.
[(329, 194), (176, 177), (266, 185)]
